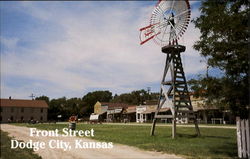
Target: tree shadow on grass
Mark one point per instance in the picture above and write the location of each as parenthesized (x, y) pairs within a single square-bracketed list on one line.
[(186, 135), (178, 135), (218, 137), (202, 136)]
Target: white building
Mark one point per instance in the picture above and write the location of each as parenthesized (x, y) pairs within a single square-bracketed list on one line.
[(146, 113)]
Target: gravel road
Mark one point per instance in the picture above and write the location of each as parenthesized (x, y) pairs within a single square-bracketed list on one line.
[(117, 152)]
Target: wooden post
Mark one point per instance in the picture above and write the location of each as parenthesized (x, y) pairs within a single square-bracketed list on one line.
[(243, 138), (197, 128), (238, 137), (248, 136), (173, 128)]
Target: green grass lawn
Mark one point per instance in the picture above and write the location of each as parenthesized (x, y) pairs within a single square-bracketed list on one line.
[(8, 153), (214, 142)]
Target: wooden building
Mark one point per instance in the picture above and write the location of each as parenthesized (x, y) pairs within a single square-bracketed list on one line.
[(129, 114), (209, 114), (114, 112), (100, 112), (20, 110)]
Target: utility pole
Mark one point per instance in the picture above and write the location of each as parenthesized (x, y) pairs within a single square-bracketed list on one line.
[(32, 96), (148, 90)]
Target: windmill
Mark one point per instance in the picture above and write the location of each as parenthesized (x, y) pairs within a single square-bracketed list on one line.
[(168, 22)]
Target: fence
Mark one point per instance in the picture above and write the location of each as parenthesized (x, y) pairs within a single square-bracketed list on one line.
[(243, 137)]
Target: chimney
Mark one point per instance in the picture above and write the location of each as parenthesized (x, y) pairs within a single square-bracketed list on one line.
[(9, 97)]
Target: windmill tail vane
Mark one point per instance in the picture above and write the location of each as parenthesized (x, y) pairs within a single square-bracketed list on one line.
[(147, 33)]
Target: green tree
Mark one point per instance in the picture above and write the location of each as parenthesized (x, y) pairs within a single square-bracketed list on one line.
[(92, 97), (224, 43), (74, 106), (43, 97), (136, 97), (58, 107)]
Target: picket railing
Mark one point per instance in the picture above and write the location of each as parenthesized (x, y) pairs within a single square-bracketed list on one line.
[(243, 137)]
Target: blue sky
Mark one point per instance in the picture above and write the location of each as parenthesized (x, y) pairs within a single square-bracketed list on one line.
[(70, 48)]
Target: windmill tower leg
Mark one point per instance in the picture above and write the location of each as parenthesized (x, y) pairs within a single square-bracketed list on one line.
[(174, 93), (153, 128), (167, 64)]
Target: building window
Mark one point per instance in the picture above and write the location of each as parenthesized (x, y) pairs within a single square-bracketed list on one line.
[(1, 109), (41, 118), (31, 110), (21, 118), (12, 110), (22, 110), (11, 118), (41, 110)]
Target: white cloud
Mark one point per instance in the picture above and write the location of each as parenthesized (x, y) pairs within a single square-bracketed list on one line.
[(9, 43), (98, 48)]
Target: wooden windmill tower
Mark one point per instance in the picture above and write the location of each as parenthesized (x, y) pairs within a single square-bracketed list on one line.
[(168, 22)]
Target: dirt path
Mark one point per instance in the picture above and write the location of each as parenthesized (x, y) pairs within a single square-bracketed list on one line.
[(117, 152)]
